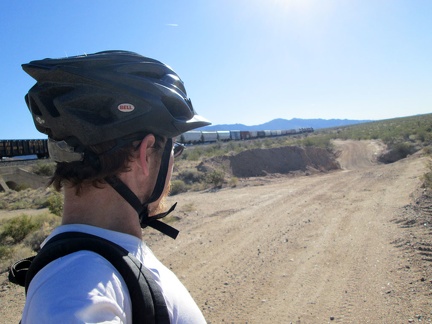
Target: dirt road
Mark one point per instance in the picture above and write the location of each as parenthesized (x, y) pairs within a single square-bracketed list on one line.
[(313, 249), (308, 249)]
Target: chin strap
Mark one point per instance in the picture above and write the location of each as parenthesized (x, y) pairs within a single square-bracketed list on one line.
[(142, 209)]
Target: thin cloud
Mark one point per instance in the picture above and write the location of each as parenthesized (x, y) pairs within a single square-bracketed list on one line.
[(172, 25)]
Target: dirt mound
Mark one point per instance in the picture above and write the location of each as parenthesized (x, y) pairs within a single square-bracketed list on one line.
[(282, 160)]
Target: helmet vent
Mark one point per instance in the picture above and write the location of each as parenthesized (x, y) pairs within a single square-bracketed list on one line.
[(31, 103), (147, 74), (177, 110), (46, 97)]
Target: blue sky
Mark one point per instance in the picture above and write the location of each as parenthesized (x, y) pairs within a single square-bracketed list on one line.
[(242, 61)]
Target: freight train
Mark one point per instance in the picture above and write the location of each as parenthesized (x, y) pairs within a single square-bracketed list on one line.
[(12, 148), (196, 137), (39, 147)]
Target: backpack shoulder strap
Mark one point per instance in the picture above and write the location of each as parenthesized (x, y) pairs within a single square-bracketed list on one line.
[(148, 303)]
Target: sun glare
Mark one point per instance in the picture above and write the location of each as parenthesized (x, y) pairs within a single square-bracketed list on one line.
[(300, 11), (292, 5)]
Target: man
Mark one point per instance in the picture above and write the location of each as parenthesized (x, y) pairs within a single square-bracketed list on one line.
[(111, 118)]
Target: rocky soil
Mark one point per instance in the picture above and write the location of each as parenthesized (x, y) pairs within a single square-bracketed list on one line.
[(346, 246)]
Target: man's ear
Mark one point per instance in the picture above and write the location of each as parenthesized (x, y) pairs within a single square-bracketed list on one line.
[(145, 152)]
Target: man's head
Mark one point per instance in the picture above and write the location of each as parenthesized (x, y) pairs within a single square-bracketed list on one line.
[(97, 108)]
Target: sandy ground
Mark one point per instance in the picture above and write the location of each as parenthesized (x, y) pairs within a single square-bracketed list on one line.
[(324, 248)]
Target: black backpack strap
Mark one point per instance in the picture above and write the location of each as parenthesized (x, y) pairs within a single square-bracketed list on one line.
[(148, 303), (18, 271)]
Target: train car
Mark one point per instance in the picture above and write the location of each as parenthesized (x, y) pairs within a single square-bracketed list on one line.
[(235, 135), (253, 134), (292, 131), (38, 148), (191, 137), (276, 132), (15, 148), (208, 137), (244, 135), (223, 135)]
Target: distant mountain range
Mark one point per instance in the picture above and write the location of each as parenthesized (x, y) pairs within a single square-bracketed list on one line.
[(279, 124)]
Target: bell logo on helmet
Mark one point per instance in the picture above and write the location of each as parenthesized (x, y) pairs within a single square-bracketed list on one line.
[(126, 107)]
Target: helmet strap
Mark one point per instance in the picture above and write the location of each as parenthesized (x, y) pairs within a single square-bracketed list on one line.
[(142, 209)]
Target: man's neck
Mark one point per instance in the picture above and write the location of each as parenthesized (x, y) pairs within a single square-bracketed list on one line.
[(103, 208)]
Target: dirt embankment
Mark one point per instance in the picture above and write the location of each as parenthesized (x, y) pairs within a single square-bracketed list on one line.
[(348, 246), (282, 160)]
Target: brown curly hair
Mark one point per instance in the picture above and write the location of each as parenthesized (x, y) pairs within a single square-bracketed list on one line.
[(100, 161)]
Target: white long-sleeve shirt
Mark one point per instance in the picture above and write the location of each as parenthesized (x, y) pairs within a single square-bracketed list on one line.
[(83, 287)]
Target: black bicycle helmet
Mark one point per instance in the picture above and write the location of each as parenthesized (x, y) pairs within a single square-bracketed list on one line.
[(94, 98), (91, 99)]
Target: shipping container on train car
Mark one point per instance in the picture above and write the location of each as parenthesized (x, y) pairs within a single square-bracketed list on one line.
[(223, 135), (291, 131), (39, 147), (253, 134), (209, 137), (235, 135), (267, 133), (244, 135), (3, 149), (191, 137), (261, 133), (15, 147)]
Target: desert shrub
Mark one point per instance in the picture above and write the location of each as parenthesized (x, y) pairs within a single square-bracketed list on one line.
[(3, 204), (198, 186), (397, 151), (45, 226), (427, 177), (404, 149), (26, 199), (428, 150), (192, 155), (216, 178), (177, 186), (5, 252), (55, 203), (427, 180), (25, 231), (44, 169), (190, 176), (16, 229), (21, 187), (233, 182), (20, 204), (40, 202), (317, 141)]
